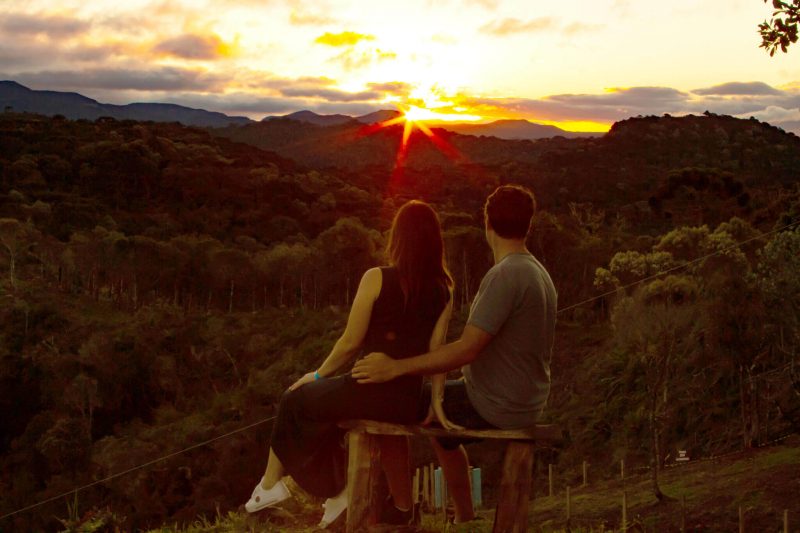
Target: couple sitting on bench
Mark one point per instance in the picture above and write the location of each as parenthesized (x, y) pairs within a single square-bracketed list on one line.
[(399, 317)]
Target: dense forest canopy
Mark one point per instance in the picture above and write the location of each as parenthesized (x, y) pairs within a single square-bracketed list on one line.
[(163, 284)]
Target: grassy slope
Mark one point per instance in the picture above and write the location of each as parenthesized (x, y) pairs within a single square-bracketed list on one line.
[(763, 482)]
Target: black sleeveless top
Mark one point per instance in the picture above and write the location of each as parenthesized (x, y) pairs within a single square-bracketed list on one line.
[(401, 329)]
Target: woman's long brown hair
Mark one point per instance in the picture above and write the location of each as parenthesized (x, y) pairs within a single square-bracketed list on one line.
[(416, 248)]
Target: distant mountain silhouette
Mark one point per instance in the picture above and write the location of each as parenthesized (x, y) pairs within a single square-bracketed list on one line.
[(313, 118), (513, 129), (74, 106), (379, 116)]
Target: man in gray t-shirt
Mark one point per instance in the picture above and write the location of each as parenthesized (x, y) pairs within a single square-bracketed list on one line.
[(503, 352), (508, 383)]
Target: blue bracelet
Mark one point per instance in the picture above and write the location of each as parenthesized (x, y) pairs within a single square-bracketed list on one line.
[(316, 375)]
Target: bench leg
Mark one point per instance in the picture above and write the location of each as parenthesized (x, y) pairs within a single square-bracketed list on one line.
[(362, 470), (511, 514)]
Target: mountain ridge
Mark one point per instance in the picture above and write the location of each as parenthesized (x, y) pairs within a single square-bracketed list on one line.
[(75, 106)]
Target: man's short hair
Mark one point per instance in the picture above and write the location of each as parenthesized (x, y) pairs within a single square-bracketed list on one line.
[(509, 210)]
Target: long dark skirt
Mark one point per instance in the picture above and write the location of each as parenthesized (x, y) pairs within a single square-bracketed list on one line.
[(305, 436)]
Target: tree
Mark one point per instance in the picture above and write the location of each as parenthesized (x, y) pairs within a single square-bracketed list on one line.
[(657, 327), (16, 239), (781, 30)]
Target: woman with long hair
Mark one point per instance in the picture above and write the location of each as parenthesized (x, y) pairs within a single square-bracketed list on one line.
[(402, 310)]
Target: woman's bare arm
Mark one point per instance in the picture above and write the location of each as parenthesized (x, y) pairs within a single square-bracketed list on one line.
[(357, 323)]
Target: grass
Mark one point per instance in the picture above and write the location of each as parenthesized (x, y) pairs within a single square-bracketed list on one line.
[(763, 482)]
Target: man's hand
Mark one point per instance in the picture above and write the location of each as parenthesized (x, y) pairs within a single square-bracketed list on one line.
[(375, 368)]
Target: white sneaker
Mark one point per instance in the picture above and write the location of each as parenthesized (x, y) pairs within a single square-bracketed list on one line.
[(261, 498), (333, 509)]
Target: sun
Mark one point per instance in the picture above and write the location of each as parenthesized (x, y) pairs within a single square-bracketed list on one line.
[(419, 114)]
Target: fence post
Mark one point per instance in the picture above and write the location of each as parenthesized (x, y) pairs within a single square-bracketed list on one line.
[(624, 511), (683, 514), (432, 486), (584, 474), (569, 513), (415, 487), (550, 479), (425, 486)]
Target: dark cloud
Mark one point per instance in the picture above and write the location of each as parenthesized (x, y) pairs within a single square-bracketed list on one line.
[(790, 125), (27, 52), (509, 26), (621, 103), (234, 104), (331, 95), (633, 97), (257, 81), (753, 88), (159, 79), (50, 25), (190, 46)]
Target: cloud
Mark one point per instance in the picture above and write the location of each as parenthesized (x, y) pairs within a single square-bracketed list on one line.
[(487, 4), (615, 104), (50, 25), (189, 46), (331, 95), (151, 79), (391, 87), (345, 38), (300, 17), (509, 26), (352, 59), (580, 27), (739, 88)]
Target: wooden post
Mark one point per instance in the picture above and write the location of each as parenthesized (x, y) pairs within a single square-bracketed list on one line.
[(622, 469), (511, 514), (741, 519), (432, 485), (363, 456), (415, 487), (786, 521), (550, 480), (425, 485), (624, 512), (585, 482), (683, 513), (569, 514)]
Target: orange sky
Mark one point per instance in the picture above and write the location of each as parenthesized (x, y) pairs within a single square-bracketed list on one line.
[(580, 65)]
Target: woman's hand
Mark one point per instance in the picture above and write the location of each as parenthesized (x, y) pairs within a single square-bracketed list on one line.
[(436, 413), (308, 378)]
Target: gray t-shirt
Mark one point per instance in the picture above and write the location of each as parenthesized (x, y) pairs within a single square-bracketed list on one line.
[(509, 382)]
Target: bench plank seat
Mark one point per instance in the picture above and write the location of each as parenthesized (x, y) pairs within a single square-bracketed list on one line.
[(512, 507), (540, 433)]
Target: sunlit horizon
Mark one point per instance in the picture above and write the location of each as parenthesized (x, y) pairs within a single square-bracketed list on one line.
[(580, 66)]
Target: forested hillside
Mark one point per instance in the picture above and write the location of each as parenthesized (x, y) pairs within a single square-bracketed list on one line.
[(161, 285)]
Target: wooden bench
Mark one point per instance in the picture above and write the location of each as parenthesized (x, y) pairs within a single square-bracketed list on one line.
[(511, 513)]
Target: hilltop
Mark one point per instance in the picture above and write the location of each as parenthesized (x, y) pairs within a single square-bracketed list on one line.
[(19, 98)]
